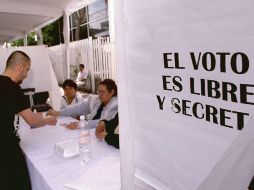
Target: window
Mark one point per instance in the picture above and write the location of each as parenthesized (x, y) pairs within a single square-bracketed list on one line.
[(83, 32), (90, 21), (97, 10), (99, 28)]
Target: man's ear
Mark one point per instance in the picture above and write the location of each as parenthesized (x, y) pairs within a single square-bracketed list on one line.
[(113, 92), (18, 68)]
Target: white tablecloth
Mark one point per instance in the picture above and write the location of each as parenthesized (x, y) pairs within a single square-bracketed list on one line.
[(48, 171)]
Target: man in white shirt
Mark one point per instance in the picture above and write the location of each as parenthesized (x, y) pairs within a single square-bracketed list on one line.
[(82, 75)]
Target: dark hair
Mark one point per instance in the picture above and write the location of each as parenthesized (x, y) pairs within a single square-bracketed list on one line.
[(15, 57), (70, 83), (81, 65), (110, 85)]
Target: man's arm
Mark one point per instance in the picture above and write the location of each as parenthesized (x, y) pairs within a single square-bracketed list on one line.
[(112, 139), (81, 108), (36, 119), (112, 124)]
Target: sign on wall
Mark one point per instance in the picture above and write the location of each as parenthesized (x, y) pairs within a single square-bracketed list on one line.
[(189, 70)]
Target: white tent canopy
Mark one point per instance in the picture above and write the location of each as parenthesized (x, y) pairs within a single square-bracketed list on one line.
[(19, 17)]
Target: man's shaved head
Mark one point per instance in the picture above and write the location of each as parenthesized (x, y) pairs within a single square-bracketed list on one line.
[(17, 66), (17, 57)]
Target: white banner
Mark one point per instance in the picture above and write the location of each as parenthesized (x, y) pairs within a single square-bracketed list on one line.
[(188, 71), (39, 75)]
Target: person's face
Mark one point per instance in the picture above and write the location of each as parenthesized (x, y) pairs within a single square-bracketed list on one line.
[(81, 68), (104, 95), (69, 92), (23, 70)]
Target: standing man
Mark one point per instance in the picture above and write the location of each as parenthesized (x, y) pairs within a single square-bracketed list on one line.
[(14, 174)]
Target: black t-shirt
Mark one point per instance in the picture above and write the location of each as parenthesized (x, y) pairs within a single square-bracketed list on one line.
[(12, 101)]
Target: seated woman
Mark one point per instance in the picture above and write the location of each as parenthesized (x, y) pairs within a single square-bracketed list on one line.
[(109, 131), (71, 96), (100, 107)]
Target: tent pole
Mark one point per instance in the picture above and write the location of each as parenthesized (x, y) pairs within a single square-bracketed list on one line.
[(67, 42)]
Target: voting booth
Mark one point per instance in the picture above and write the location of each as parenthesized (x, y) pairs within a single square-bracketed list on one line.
[(186, 94), (41, 76)]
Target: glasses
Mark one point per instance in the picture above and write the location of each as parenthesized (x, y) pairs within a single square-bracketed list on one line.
[(101, 92)]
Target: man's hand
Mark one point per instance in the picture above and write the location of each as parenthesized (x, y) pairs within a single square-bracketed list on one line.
[(72, 125), (37, 119), (51, 120), (100, 129), (102, 135), (53, 112)]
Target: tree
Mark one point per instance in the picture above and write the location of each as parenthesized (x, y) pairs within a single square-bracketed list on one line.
[(30, 40), (17, 43), (47, 38), (80, 14), (53, 33)]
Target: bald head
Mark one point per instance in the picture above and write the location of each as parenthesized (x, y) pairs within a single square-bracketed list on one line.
[(17, 57), (17, 66)]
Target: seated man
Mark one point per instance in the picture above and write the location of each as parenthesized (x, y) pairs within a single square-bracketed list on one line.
[(109, 131), (82, 75), (100, 107), (71, 96)]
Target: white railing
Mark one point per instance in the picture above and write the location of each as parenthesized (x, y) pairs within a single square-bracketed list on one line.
[(97, 55), (104, 58)]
